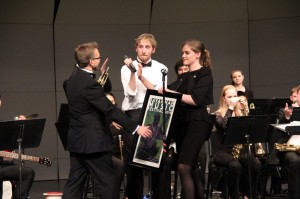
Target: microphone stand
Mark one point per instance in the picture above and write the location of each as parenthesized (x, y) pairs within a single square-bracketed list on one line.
[(19, 158), (247, 136), (164, 74)]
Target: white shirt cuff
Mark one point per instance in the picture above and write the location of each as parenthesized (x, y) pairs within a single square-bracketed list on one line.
[(136, 130)]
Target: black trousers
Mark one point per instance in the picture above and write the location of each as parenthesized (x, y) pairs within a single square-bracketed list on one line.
[(292, 161), (135, 179), (100, 166), (160, 180), (11, 173), (238, 172)]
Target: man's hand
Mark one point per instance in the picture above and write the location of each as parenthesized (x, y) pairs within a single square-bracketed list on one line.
[(144, 131), (140, 71), (127, 62), (20, 117), (116, 125), (104, 66), (160, 90), (287, 111)]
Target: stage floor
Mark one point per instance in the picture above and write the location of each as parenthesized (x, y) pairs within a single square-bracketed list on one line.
[(40, 187)]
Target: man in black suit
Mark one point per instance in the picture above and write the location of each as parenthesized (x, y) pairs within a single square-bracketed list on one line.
[(290, 159), (89, 141)]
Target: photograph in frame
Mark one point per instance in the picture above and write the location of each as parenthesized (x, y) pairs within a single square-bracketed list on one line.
[(148, 152)]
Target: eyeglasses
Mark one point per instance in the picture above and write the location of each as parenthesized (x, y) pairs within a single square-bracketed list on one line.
[(100, 57)]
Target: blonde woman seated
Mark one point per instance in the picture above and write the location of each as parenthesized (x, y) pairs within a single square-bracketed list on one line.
[(230, 105)]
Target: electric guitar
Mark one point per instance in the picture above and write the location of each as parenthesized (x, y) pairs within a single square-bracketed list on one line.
[(40, 160)]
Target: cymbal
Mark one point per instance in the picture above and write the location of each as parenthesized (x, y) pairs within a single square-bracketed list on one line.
[(31, 116)]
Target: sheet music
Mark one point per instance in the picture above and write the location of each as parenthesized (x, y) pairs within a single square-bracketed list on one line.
[(294, 140), (283, 126)]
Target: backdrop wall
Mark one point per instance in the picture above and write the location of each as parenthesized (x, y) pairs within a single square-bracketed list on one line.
[(38, 39)]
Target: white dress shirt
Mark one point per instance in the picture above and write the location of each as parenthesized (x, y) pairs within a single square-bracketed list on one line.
[(133, 99)]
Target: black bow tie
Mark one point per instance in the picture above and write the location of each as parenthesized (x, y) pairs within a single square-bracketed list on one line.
[(146, 65)]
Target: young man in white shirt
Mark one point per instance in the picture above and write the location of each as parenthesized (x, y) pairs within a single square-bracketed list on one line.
[(148, 75)]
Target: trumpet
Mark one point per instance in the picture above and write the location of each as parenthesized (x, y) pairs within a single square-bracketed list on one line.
[(244, 109), (102, 79), (121, 145)]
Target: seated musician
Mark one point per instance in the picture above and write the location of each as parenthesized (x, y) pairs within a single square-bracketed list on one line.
[(230, 105), (284, 114), (291, 159), (10, 172)]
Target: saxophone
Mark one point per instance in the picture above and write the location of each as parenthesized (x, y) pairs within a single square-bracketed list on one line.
[(287, 147), (102, 79), (237, 151)]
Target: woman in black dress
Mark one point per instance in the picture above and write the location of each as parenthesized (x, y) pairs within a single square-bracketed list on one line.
[(194, 123)]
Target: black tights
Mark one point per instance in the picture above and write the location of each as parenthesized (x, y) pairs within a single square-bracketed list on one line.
[(192, 186)]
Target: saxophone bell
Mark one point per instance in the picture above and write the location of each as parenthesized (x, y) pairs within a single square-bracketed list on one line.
[(259, 150)]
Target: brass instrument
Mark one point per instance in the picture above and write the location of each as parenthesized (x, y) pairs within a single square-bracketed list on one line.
[(287, 147), (121, 144), (102, 79), (244, 109), (237, 149), (252, 106), (259, 149)]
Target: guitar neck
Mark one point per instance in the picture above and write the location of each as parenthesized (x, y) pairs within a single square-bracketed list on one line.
[(12, 155)]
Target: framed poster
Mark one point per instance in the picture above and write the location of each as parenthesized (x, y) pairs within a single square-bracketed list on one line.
[(149, 152)]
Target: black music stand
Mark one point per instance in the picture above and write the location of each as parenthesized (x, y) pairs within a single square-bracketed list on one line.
[(260, 106), (296, 114), (257, 127), (31, 132), (30, 136), (248, 129), (9, 133), (62, 124), (278, 103), (21, 134), (293, 130)]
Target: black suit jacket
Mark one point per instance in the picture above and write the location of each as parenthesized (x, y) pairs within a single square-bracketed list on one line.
[(89, 107)]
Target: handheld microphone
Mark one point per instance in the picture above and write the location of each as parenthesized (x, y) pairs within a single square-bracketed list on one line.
[(131, 67)]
